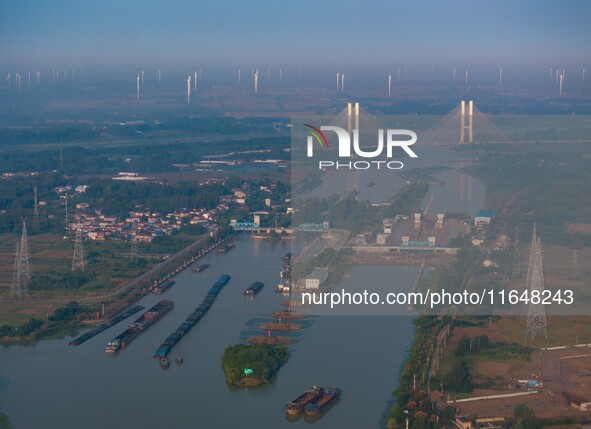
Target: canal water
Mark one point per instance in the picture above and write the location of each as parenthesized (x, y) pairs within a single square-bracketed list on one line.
[(453, 191), (52, 385)]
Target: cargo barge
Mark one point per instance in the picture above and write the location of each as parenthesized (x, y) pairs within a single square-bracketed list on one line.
[(175, 337), (139, 325), (201, 268), (106, 325), (158, 289), (318, 406), (297, 405), (254, 288), (225, 249)]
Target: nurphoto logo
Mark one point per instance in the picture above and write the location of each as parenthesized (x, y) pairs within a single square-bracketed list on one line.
[(344, 148)]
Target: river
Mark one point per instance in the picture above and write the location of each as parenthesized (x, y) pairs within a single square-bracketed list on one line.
[(51, 385)]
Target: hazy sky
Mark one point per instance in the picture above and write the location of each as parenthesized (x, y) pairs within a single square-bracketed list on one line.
[(323, 32)]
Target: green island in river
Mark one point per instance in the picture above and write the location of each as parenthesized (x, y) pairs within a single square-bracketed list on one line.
[(254, 364)]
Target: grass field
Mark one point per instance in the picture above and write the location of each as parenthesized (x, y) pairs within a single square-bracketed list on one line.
[(51, 255)]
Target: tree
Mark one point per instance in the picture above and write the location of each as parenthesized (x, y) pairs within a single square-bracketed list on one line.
[(458, 379), (448, 414)]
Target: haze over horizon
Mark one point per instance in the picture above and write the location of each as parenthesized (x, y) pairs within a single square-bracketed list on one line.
[(326, 35)]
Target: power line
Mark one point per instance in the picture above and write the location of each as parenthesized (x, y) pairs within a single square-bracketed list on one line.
[(516, 255)]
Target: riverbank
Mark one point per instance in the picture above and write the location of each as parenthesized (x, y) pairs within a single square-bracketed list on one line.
[(68, 322)]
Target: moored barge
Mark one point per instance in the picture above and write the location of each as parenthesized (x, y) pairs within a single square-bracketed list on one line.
[(193, 318), (139, 325), (201, 268), (298, 404), (254, 288), (329, 395)]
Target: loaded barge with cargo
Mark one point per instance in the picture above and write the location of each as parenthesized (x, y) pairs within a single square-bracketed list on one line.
[(106, 325), (318, 406), (297, 405), (139, 325), (254, 288), (201, 268), (225, 249), (193, 318), (159, 288)]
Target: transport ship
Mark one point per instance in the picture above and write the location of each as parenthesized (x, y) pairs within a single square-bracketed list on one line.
[(192, 319), (201, 268), (254, 288), (113, 345), (139, 325), (319, 405), (298, 404), (106, 325), (158, 289), (225, 249), (152, 315)]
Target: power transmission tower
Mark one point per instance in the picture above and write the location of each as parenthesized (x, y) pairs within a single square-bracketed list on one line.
[(536, 314), (133, 254), (516, 256), (78, 259), (22, 271), (575, 267)]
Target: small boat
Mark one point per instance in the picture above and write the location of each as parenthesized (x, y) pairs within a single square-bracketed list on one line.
[(329, 395), (253, 289), (298, 404), (179, 361), (164, 363), (201, 268)]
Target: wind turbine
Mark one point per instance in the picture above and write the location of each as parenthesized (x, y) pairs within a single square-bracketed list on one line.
[(189, 89), (390, 85)]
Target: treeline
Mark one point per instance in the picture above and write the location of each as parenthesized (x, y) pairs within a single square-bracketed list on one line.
[(422, 413), (147, 157), (175, 126), (17, 195), (119, 197), (60, 322), (19, 136)]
